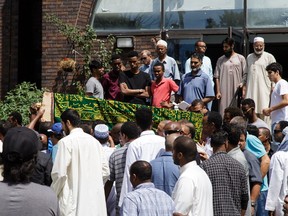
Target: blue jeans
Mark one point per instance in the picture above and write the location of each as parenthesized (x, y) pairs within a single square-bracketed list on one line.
[(260, 207)]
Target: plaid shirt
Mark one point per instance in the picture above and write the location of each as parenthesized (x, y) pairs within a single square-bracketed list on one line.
[(146, 200), (229, 183)]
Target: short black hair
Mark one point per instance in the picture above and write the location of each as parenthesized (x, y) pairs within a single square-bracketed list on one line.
[(159, 64), (198, 56), (94, 64), (186, 146), (219, 138), (275, 66), (143, 117), (16, 116), (229, 41), (234, 111), (142, 169), (130, 129), (253, 130), (283, 124), (248, 101), (234, 133), (216, 118), (132, 54), (115, 56), (71, 115)]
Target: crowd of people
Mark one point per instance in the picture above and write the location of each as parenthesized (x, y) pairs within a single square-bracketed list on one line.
[(238, 167)]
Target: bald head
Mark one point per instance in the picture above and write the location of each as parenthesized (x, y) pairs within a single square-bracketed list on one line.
[(170, 140), (187, 147), (172, 127), (161, 125), (239, 121)]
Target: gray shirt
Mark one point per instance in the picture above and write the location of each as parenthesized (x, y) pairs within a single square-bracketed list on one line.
[(95, 87), (28, 200)]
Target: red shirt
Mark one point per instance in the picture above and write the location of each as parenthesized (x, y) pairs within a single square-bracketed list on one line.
[(111, 86), (162, 91)]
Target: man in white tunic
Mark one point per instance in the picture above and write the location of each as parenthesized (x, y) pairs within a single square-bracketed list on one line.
[(79, 170), (192, 193), (258, 85), (147, 147)]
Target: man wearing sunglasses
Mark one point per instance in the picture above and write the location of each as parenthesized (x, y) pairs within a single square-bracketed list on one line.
[(248, 109)]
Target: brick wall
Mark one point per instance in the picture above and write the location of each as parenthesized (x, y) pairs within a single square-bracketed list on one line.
[(54, 45)]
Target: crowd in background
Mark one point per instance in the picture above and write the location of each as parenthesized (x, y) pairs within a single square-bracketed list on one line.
[(238, 167)]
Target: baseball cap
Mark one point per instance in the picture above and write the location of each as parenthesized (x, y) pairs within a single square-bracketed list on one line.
[(20, 144), (101, 131), (56, 128)]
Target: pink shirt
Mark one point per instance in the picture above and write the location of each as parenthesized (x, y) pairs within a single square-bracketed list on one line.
[(162, 91)]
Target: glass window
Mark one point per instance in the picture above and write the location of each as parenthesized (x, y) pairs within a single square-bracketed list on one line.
[(179, 14), (191, 14), (126, 15), (181, 50), (266, 13)]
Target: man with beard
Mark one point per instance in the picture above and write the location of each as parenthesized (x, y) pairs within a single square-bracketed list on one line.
[(79, 170), (258, 85), (206, 67), (197, 84), (171, 67), (229, 74)]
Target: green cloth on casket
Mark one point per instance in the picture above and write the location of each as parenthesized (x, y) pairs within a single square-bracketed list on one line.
[(114, 112)]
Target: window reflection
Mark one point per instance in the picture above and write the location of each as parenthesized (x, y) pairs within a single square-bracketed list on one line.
[(179, 14), (264, 13)]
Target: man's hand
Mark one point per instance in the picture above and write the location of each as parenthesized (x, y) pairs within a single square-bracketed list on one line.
[(218, 96), (266, 111)]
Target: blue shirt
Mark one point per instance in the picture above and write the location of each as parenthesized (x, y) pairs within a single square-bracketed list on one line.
[(146, 200), (197, 86), (255, 146), (165, 173)]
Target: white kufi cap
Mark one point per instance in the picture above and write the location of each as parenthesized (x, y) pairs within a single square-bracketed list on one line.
[(162, 43), (258, 39)]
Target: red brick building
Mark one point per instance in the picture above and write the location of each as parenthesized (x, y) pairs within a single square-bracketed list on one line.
[(31, 47)]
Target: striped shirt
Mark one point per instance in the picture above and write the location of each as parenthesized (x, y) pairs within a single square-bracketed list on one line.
[(146, 200), (117, 166)]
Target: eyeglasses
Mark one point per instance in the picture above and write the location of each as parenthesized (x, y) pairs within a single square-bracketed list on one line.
[(246, 111), (277, 131), (168, 132)]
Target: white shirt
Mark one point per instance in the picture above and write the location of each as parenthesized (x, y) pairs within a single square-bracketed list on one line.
[(278, 186), (192, 194), (147, 147), (280, 89), (78, 173)]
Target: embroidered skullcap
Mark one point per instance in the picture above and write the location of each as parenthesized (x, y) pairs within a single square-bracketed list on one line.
[(101, 131), (162, 43), (258, 39)]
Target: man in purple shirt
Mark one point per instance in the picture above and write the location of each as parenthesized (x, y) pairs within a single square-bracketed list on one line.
[(110, 80)]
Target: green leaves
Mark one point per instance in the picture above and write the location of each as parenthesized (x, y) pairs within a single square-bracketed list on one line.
[(20, 99)]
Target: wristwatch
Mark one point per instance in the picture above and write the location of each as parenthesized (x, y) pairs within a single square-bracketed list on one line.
[(253, 204)]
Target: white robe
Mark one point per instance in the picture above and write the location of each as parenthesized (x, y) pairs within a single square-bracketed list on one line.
[(278, 186), (258, 84), (78, 173)]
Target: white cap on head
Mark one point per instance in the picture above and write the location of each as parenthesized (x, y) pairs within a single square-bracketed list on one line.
[(161, 43), (258, 39)]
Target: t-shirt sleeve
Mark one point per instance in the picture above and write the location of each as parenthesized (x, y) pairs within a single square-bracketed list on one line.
[(173, 86), (89, 87), (255, 146), (122, 78)]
